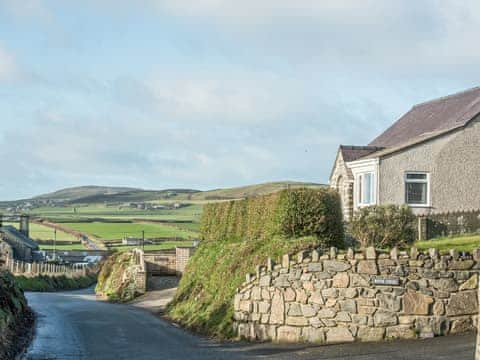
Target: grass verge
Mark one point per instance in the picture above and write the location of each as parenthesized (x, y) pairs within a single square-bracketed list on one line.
[(444, 244), (44, 283)]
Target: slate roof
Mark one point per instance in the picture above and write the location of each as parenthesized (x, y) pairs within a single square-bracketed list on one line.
[(11, 232), (352, 153), (432, 118)]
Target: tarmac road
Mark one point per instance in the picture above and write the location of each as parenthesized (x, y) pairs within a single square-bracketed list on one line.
[(73, 325)]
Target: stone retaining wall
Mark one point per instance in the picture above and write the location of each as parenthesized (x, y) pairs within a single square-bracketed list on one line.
[(334, 298)]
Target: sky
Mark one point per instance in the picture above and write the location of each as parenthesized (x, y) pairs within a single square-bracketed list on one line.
[(213, 93)]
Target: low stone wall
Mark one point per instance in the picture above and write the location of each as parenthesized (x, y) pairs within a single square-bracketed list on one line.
[(334, 298)]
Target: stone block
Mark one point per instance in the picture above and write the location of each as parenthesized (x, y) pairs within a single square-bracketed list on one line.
[(470, 284), (463, 303), (339, 335), (266, 294), (367, 267), (400, 332), (264, 332), (317, 298), (357, 280), (294, 310), (256, 293), (385, 318), (277, 316), (462, 325), (343, 316), (341, 280), (315, 256), (289, 334), (438, 308), (327, 313), (236, 301), (389, 302), (349, 293), (415, 303), (359, 319), (331, 302), (336, 266), (366, 310), (313, 335), (286, 261), (246, 306), (370, 253), (461, 265), (301, 296), (296, 321), (331, 292), (349, 306), (315, 322), (265, 280), (309, 310), (315, 267), (289, 294), (444, 284), (371, 334)]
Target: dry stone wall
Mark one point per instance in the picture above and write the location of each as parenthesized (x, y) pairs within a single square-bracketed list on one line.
[(331, 298)]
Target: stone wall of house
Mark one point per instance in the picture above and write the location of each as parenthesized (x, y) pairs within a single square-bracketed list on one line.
[(341, 180), (364, 296)]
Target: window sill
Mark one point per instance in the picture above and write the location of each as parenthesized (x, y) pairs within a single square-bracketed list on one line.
[(419, 205)]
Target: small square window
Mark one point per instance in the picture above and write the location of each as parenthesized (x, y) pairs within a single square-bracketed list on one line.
[(417, 188)]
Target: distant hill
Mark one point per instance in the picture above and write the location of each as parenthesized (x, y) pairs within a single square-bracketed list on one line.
[(116, 195), (75, 193), (252, 190)]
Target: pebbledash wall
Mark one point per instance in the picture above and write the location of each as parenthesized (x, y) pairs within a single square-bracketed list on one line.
[(364, 296)]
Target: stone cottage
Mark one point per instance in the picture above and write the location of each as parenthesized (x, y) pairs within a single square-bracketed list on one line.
[(429, 159)]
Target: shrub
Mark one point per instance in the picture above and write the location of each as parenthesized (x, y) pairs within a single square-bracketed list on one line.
[(288, 213), (383, 226)]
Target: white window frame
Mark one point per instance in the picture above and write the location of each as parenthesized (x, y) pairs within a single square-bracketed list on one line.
[(373, 189), (426, 181)]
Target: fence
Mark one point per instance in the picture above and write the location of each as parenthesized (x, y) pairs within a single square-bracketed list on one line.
[(449, 224), (17, 267)]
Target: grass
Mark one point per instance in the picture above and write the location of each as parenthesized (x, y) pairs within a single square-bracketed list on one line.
[(461, 243), (115, 231), (203, 301)]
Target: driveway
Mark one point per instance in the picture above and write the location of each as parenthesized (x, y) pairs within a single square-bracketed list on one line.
[(73, 325)]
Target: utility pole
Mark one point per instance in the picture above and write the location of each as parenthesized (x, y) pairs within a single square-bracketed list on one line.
[(143, 240), (54, 244)]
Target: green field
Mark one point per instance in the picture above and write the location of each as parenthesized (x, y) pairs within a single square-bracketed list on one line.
[(116, 231), (460, 243)]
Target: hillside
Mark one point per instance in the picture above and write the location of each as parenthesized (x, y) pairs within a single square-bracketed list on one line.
[(75, 193), (252, 190)]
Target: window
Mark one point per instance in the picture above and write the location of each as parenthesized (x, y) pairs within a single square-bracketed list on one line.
[(366, 189), (417, 188)]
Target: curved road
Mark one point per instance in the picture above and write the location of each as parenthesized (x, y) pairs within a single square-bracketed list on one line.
[(73, 325)]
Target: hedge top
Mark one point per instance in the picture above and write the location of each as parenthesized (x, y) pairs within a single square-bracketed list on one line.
[(288, 213)]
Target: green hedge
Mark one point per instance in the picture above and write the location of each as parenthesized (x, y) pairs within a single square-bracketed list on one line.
[(239, 235), (288, 213), (45, 283)]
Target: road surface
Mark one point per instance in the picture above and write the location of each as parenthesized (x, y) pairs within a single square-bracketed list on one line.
[(73, 325)]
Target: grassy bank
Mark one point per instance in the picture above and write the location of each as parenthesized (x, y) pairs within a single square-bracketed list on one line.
[(238, 236), (114, 284), (15, 317), (43, 283), (460, 243)]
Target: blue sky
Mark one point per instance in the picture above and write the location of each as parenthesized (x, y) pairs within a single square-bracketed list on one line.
[(211, 93)]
